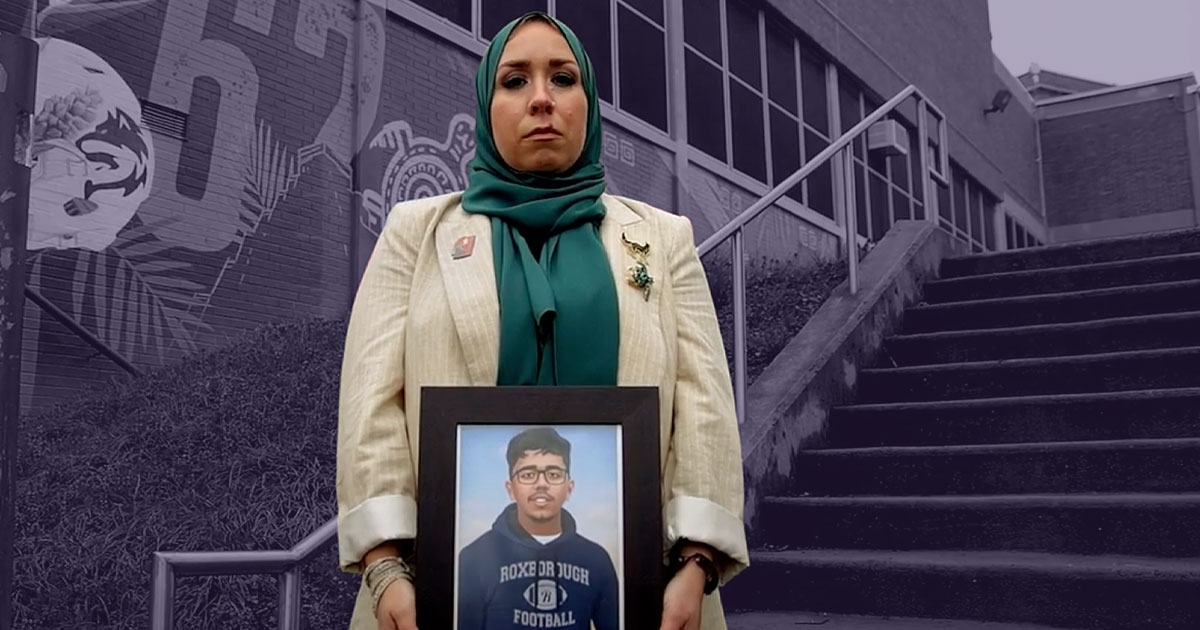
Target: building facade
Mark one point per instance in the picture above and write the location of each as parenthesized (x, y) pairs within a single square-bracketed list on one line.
[(1117, 160), (209, 166)]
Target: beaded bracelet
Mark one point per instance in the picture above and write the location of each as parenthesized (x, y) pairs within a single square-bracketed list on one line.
[(381, 573)]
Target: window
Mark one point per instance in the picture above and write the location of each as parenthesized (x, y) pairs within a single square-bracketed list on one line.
[(749, 151), (781, 68), (812, 79), (457, 11), (898, 166), (880, 213), (850, 109), (652, 9), (945, 209), (642, 68), (989, 222), (702, 27), (914, 163), (705, 106), (820, 183), (935, 145), (861, 201), (742, 26), (968, 209), (592, 24), (497, 13), (976, 218), (785, 150), (959, 188)]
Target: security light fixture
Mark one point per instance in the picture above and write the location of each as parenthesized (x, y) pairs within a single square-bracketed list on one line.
[(999, 102)]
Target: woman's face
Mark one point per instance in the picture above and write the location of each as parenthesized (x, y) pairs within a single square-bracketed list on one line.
[(539, 109)]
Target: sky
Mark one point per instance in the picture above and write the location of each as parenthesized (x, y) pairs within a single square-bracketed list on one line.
[(1111, 41)]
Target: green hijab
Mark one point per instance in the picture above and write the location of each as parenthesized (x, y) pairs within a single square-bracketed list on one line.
[(558, 310)]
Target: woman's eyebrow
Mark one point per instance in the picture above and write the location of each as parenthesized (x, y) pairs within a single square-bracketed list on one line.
[(524, 63)]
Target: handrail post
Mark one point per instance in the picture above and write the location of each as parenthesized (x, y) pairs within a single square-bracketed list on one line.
[(851, 219), (739, 325), (927, 189), (289, 599), (162, 594)]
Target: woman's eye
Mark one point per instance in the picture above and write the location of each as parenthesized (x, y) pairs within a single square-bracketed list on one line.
[(564, 79), (513, 82)]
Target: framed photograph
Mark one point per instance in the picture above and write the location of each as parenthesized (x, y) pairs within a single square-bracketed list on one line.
[(539, 507)]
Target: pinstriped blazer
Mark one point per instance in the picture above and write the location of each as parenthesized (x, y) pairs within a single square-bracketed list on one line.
[(421, 317)]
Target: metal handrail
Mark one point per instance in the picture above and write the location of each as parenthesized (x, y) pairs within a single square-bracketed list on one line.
[(288, 563), (69, 322), (845, 212)]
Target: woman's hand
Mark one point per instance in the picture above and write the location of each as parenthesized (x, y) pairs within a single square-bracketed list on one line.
[(397, 607), (682, 599)]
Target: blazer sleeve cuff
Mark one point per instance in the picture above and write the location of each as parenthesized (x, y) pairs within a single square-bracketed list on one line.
[(703, 521), (378, 519)]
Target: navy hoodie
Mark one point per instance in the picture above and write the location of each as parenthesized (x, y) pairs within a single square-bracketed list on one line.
[(509, 581)]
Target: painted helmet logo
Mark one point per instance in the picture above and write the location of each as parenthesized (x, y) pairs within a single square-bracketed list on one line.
[(93, 163)]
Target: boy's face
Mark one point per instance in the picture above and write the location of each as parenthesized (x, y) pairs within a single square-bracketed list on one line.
[(540, 501)]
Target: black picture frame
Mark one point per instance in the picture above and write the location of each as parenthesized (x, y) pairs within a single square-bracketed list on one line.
[(634, 409)]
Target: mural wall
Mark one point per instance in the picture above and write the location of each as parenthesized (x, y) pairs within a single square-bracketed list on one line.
[(197, 168), (193, 174)]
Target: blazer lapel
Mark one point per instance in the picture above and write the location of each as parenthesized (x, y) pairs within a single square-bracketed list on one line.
[(638, 315), (470, 282)]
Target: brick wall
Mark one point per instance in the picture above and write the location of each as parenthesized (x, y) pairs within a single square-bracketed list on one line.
[(1116, 163)]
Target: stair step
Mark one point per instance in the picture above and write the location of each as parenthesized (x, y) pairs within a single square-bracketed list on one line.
[(1096, 251), (1063, 279), (1118, 371), (1123, 524), (1100, 592), (1140, 332), (1140, 414), (1077, 306), (799, 620), (1023, 468)]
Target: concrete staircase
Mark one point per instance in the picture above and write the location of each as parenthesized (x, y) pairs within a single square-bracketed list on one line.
[(1029, 454)]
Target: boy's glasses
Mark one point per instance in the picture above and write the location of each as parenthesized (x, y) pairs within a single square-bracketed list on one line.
[(555, 476)]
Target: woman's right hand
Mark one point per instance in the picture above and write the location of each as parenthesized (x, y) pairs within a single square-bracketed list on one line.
[(397, 607)]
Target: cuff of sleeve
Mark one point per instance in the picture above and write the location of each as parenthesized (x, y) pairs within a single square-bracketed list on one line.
[(703, 521), (391, 517)]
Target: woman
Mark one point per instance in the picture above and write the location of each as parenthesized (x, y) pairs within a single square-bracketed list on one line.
[(525, 278)]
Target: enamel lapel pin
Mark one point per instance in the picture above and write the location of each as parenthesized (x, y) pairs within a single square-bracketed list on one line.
[(463, 247)]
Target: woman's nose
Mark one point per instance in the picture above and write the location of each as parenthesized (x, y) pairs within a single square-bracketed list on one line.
[(541, 101)]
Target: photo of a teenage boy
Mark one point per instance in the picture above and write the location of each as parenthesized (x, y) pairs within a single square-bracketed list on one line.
[(532, 569)]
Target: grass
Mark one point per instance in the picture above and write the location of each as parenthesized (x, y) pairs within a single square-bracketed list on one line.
[(780, 298), (231, 450)]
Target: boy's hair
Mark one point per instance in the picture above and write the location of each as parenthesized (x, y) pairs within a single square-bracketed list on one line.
[(538, 440)]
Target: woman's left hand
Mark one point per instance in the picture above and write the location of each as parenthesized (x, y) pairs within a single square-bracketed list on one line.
[(682, 599)]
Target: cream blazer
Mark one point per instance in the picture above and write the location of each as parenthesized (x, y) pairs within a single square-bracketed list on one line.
[(421, 317)]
